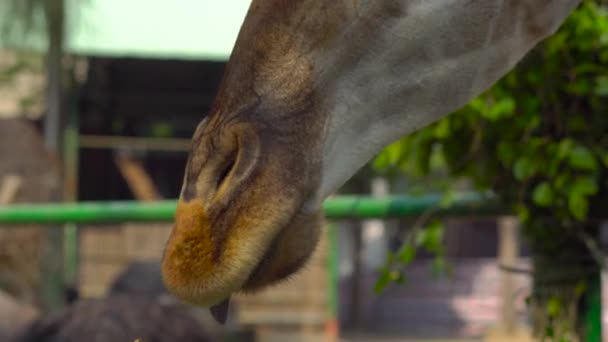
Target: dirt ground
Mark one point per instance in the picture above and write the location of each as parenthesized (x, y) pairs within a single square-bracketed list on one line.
[(397, 339), (522, 334), (361, 338), (491, 337)]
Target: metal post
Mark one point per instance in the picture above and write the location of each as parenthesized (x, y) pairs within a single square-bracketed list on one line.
[(52, 121), (52, 291), (70, 191)]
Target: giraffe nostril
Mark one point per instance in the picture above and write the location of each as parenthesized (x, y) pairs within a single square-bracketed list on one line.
[(226, 171)]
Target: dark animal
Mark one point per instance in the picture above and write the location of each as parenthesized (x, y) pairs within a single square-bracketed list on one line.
[(136, 308), (143, 278)]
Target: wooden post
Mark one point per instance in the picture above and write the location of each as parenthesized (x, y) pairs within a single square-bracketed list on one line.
[(139, 181), (9, 188), (508, 250)]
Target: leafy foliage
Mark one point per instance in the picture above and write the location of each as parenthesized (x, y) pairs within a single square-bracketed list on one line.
[(429, 238), (537, 138)]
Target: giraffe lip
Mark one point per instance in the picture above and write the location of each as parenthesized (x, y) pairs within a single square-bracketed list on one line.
[(220, 311)]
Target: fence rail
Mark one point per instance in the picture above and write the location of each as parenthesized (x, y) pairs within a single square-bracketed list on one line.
[(338, 207), (464, 204)]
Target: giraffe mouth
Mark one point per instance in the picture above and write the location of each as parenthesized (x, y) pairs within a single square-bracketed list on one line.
[(249, 235), (244, 221)]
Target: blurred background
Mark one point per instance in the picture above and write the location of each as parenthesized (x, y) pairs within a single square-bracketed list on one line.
[(99, 99)]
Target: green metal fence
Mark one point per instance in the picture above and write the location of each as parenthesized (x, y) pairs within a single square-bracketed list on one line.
[(339, 207), (162, 211)]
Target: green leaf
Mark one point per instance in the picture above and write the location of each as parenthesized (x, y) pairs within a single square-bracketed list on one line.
[(549, 332), (438, 161), (556, 42), (383, 281), (442, 128), (421, 237), (448, 198), (522, 212), (581, 288), (534, 77), (553, 307), (478, 104), (578, 205), (579, 87), (560, 181), (523, 168), (542, 195), (605, 159), (381, 162), (423, 149), (529, 104), (434, 236), (502, 109), (553, 166), (581, 158), (577, 124), (584, 186), (391, 258), (565, 146), (390, 156), (506, 152), (407, 254), (398, 278), (601, 86)]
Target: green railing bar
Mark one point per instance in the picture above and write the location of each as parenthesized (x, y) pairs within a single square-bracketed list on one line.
[(88, 212), (463, 204), (335, 208)]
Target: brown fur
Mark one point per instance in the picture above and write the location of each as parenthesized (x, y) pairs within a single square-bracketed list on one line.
[(266, 120), (312, 91)]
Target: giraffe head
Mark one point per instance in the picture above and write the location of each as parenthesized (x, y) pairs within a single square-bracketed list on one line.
[(249, 213), (313, 90)]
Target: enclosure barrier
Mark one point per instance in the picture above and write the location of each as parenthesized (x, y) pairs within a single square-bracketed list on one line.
[(338, 207)]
